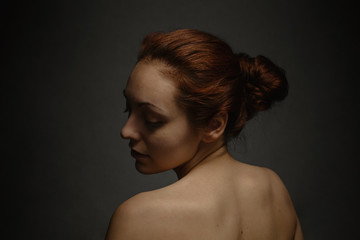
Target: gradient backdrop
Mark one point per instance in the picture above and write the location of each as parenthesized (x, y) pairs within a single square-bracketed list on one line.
[(65, 63)]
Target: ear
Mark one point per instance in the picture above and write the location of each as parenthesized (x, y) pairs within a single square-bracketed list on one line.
[(215, 128)]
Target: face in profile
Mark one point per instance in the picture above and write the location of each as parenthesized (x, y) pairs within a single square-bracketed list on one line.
[(160, 134)]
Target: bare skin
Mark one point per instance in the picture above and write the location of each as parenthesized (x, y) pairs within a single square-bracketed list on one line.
[(216, 197), (219, 199)]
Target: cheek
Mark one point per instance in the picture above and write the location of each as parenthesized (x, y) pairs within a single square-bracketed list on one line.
[(173, 146)]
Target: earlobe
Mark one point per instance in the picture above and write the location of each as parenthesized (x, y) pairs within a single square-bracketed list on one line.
[(216, 127)]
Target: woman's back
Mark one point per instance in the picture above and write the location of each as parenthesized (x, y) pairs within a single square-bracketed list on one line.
[(187, 96), (219, 199)]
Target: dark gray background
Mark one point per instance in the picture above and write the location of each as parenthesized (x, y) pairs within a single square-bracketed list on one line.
[(66, 63)]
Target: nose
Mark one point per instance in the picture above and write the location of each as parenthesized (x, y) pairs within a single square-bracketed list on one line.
[(129, 130)]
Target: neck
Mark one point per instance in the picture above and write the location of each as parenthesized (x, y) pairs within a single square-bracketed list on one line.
[(202, 157)]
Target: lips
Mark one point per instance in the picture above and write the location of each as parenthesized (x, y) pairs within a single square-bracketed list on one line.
[(138, 155)]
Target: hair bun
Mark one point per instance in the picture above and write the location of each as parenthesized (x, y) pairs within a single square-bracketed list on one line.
[(265, 83)]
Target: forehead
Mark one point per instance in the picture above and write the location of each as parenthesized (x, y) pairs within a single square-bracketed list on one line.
[(148, 84)]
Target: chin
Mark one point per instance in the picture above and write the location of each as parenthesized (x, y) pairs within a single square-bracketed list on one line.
[(147, 170)]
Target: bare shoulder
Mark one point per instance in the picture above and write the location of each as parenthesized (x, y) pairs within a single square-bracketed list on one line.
[(279, 194), (260, 181), (134, 219), (266, 187), (149, 215), (264, 196)]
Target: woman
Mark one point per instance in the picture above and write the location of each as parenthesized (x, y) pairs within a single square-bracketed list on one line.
[(187, 96)]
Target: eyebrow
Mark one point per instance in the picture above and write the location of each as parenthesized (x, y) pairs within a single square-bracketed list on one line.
[(140, 104)]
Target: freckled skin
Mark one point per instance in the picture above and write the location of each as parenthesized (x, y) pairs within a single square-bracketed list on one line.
[(215, 198)]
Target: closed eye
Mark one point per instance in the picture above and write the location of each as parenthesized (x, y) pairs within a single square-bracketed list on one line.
[(152, 125)]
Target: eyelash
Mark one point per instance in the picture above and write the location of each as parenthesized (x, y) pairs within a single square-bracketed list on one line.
[(149, 124), (127, 108), (153, 125)]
